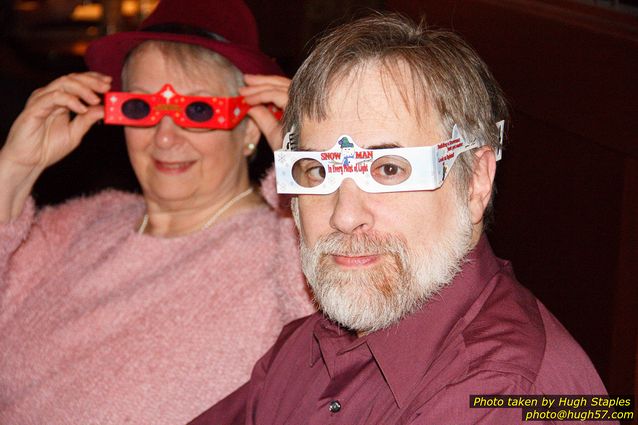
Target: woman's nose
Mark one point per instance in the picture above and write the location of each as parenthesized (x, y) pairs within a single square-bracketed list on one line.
[(166, 133)]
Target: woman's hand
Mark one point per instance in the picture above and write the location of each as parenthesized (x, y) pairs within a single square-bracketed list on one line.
[(45, 132), (262, 90)]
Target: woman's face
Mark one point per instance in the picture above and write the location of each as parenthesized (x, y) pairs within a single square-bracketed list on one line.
[(180, 168)]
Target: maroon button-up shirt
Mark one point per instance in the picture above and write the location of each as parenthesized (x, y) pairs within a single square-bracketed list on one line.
[(483, 334)]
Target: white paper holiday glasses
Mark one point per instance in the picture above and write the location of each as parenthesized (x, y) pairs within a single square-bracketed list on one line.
[(373, 170)]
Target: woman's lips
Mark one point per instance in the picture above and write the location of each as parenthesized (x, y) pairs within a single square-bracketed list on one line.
[(172, 167), (355, 261)]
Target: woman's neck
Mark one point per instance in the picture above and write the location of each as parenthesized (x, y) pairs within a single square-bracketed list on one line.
[(171, 221)]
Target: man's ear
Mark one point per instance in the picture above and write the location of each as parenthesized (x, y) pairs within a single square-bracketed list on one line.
[(480, 188), (251, 136)]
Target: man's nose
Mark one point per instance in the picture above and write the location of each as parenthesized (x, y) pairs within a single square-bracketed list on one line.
[(166, 133), (352, 212)]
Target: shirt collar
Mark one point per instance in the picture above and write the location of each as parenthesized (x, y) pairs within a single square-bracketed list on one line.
[(329, 340), (418, 338)]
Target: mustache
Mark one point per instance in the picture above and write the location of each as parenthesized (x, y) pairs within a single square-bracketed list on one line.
[(371, 243)]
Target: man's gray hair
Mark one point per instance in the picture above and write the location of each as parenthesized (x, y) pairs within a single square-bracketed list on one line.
[(443, 69)]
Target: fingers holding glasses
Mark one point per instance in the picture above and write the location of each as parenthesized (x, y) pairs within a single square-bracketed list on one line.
[(264, 90), (84, 86), (45, 131)]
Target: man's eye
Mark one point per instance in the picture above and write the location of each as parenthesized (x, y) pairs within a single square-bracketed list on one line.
[(308, 172), (391, 170), (316, 173)]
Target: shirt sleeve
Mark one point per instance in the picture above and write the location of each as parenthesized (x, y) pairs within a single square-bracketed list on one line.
[(24, 253), (13, 234), (36, 240), (235, 409), (230, 411)]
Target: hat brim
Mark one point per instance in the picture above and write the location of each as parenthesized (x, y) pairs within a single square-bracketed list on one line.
[(107, 54)]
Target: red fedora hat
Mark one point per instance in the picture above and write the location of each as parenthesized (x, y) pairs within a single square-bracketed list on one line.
[(226, 27)]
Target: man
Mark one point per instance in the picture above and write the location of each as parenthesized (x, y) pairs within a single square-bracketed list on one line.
[(418, 313)]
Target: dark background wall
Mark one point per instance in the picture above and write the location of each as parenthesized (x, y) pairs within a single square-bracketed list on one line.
[(567, 210), (567, 207)]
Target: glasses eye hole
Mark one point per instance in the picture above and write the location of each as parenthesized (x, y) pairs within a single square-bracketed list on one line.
[(135, 109), (308, 172), (199, 112)]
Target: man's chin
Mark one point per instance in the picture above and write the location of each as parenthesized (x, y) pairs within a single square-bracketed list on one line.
[(376, 296), (363, 299), (363, 319)]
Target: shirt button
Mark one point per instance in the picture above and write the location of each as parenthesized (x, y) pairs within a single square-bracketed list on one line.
[(335, 406)]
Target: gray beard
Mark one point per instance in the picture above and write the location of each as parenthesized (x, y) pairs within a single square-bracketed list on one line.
[(366, 300)]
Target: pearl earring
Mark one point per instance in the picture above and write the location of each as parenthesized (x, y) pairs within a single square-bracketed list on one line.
[(251, 146)]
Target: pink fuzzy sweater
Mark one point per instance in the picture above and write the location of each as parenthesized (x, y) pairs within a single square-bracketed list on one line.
[(100, 325)]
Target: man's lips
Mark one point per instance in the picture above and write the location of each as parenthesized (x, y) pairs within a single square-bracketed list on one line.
[(355, 261), (172, 167)]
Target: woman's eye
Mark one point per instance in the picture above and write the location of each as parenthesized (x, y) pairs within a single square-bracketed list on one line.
[(136, 109), (199, 112)]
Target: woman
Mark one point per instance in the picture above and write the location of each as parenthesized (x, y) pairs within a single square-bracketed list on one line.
[(118, 308)]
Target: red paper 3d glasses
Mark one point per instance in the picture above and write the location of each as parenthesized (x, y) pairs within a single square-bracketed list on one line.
[(145, 110)]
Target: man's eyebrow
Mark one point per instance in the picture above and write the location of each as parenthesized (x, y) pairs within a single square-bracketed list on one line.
[(385, 146), (381, 146)]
